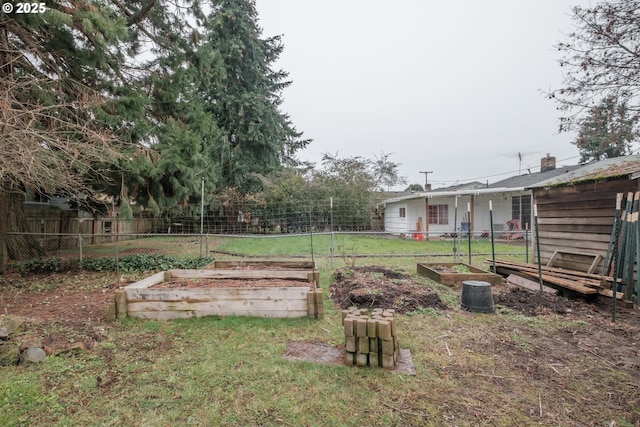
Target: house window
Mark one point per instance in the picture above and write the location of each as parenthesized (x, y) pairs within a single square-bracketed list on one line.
[(521, 209), (403, 212), (439, 214)]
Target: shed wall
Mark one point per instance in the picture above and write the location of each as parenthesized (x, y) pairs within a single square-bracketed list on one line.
[(578, 218)]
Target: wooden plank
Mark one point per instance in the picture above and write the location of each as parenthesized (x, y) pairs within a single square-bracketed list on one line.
[(575, 221), (569, 284), (568, 245), (583, 212), (239, 307), (609, 293), (563, 258), (552, 270), (589, 229), (579, 213), (147, 282), (587, 208), (529, 284), (241, 274), (595, 263), (294, 265), (553, 258), (575, 237), (546, 249), (217, 294), (171, 315)]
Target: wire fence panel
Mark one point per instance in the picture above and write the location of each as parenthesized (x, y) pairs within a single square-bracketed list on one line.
[(474, 248)]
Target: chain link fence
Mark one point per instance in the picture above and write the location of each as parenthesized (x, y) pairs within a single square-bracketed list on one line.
[(277, 244), (318, 229)]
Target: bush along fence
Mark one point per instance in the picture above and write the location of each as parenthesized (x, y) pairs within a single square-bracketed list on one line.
[(370, 338)]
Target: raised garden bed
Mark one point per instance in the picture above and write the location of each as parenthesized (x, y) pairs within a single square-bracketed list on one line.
[(177, 294), (452, 274), (261, 265)]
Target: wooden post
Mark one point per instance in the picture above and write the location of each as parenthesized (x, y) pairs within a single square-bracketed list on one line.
[(121, 304)]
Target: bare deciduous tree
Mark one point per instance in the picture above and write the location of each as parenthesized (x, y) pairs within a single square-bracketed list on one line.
[(601, 59), (53, 67)]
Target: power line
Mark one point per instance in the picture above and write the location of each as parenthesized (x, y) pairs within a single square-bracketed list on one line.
[(500, 174)]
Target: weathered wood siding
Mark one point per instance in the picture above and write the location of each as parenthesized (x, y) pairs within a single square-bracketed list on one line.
[(578, 218)]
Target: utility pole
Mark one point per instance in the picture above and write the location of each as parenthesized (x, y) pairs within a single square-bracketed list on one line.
[(426, 184)]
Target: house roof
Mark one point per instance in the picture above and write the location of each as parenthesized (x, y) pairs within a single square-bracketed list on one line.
[(458, 187), (608, 168), (508, 185), (466, 192), (530, 179)]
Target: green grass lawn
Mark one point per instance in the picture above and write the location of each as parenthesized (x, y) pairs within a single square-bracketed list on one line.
[(360, 245)]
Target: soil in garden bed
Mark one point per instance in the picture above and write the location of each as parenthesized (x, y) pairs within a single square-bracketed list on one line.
[(380, 287), (231, 283), (456, 269)]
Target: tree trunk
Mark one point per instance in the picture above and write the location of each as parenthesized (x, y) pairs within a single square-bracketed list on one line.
[(4, 255), (17, 244)]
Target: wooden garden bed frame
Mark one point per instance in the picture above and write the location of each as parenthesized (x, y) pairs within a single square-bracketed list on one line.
[(142, 299), (456, 278)]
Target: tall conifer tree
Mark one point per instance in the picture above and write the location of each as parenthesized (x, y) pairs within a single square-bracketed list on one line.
[(256, 136)]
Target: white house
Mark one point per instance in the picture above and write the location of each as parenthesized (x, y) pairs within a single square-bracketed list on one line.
[(460, 208)]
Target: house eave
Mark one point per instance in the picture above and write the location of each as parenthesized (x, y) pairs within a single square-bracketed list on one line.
[(441, 194)]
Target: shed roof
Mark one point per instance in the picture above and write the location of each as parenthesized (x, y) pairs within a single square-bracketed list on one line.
[(608, 168)]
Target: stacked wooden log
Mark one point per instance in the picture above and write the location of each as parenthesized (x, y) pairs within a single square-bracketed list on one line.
[(315, 304), (370, 338), (559, 278)]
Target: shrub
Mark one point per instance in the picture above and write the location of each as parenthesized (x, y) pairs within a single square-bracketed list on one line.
[(144, 262), (40, 265)]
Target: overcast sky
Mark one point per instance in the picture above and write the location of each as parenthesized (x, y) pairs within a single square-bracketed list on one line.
[(452, 87)]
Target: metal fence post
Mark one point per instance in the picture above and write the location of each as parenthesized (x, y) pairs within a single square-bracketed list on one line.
[(331, 222), (80, 244)]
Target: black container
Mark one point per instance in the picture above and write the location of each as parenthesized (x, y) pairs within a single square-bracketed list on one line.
[(476, 296)]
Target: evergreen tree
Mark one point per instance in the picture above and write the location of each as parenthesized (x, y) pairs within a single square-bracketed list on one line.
[(54, 72), (164, 109), (608, 130), (256, 136)]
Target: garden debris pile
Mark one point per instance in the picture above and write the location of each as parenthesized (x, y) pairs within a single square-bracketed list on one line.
[(381, 287)]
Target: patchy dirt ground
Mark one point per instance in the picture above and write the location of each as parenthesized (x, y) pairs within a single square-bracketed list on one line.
[(64, 309), (77, 303), (71, 309)]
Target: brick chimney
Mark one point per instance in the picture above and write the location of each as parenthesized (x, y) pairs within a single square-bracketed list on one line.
[(547, 163)]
